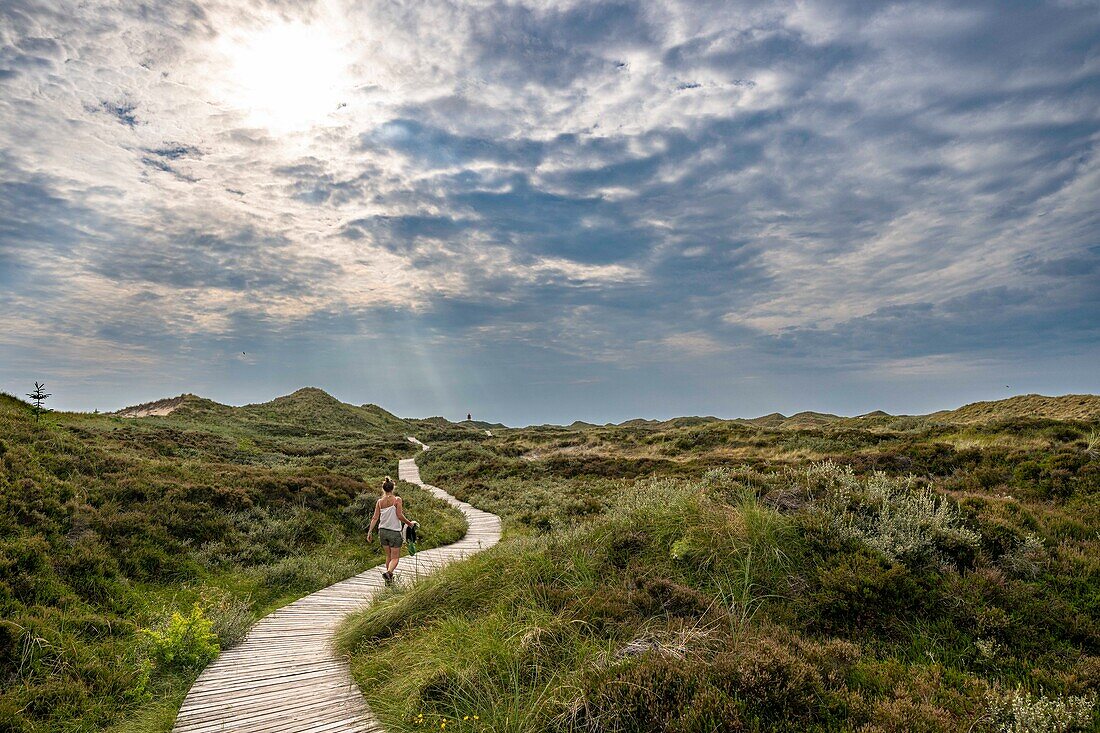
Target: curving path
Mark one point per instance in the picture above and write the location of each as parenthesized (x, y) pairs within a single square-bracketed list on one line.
[(286, 677)]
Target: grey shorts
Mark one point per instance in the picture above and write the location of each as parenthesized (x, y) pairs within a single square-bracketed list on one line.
[(389, 537)]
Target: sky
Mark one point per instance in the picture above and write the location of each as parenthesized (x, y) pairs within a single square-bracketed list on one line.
[(549, 211)]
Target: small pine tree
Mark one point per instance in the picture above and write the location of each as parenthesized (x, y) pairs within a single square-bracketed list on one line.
[(38, 397)]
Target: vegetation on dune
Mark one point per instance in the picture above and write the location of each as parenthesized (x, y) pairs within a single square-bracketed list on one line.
[(1083, 408), (879, 573), (308, 412), (131, 551), (709, 575), (1032, 406)]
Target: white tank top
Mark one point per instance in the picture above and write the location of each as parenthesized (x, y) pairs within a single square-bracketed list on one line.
[(388, 518)]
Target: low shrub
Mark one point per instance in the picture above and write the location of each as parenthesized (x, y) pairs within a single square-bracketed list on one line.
[(862, 592), (306, 573), (1027, 558), (230, 616), (760, 681), (900, 518), (653, 692), (183, 643), (1022, 712)]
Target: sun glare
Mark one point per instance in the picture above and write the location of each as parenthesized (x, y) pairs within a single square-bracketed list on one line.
[(287, 76)]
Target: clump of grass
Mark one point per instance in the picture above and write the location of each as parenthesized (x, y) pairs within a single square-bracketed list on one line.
[(230, 615), (485, 650), (1092, 444)]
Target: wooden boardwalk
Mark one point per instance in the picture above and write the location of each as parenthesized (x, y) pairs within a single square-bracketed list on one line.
[(286, 677)]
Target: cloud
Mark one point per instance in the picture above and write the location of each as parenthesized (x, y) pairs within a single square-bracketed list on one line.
[(828, 184), (692, 344), (434, 147)]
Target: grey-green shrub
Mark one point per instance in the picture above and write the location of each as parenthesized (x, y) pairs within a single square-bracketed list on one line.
[(1027, 558), (230, 616), (1022, 712), (897, 516)]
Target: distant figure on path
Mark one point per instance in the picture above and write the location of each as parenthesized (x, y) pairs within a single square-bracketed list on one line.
[(469, 417), (389, 515)]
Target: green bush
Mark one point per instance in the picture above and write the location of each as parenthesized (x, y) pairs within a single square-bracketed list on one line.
[(654, 692), (184, 642), (760, 681), (860, 592)]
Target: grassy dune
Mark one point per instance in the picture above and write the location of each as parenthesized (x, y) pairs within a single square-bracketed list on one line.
[(1080, 407), (132, 550), (702, 575), (879, 573)]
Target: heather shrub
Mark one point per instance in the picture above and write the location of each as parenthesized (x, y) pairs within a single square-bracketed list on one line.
[(761, 681), (861, 591), (651, 692), (775, 681), (906, 715)]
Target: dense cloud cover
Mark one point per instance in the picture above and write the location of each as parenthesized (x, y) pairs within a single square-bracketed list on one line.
[(551, 210)]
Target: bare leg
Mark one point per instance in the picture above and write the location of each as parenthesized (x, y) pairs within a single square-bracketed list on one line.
[(393, 555)]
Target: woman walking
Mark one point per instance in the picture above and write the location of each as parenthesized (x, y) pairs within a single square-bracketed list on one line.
[(389, 516)]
